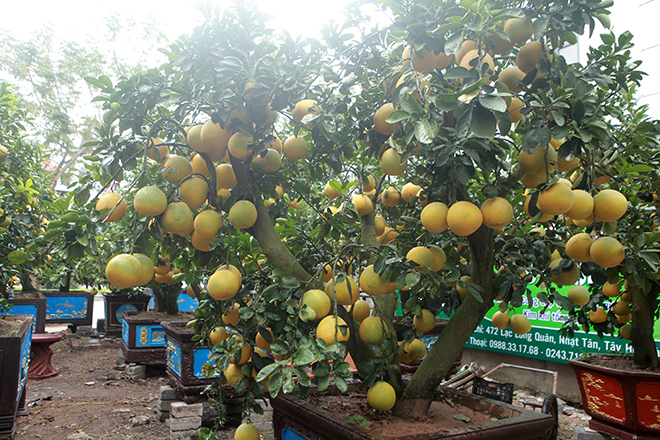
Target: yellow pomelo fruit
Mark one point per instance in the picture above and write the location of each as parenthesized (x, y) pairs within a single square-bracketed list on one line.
[(611, 290), (416, 82), (233, 373), (390, 163), (327, 273), (623, 319), (529, 55), (511, 77), (471, 59), (379, 224), (256, 94), (466, 46), (230, 317), (368, 183), (360, 310), (167, 278), (331, 192), (537, 162), (607, 252), (123, 271), (567, 278), (531, 180), (150, 201), (262, 342), (609, 205), (621, 308), (194, 137), (303, 108), (583, 205), (162, 269), (497, 212), (544, 216), (222, 285), (557, 199), (207, 223), (224, 176), (514, 109), (381, 396), (409, 190), (199, 165), (579, 295), (239, 114), (463, 291), (177, 219), (626, 297), (371, 283), (233, 269), (113, 207), (577, 247), (276, 144), (389, 235), (423, 61), (434, 217), (295, 148), (200, 242), (218, 335), (598, 316), (176, 168), (626, 332), (328, 330), (270, 162), (464, 218), (519, 324), (421, 256), (243, 214), (363, 204), (519, 30), (415, 349), (238, 145), (243, 355), (501, 320), (193, 192), (372, 330), (318, 301), (214, 138), (424, 323), (147, 269), (380, 117), (346, 290), (155, 151), (391, 196), (568, 163), (439, 258)]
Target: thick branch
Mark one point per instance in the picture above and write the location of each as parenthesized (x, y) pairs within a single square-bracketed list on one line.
[(643, 309)]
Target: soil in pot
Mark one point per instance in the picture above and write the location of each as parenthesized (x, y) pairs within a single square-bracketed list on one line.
[(9, 325), (161, 316), (616, 362)]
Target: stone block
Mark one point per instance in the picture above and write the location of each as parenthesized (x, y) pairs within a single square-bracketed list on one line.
[(185, 424), (166, 392), (164, 405), (136, 372), (181, 410), (164, 416), (587, 434), (183, 435), (210, 415)]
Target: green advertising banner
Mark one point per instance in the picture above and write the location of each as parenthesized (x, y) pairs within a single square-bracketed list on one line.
[(545, 341)]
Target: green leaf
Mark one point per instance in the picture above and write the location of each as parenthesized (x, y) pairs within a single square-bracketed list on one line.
[(484, 123), (578, 111), (447, 102), (18, 257), (303, 356), (397, 116), (461, 417), (341, 384), (535, 138), (494, 103), (323, 382), (409, 104), (425, 131)]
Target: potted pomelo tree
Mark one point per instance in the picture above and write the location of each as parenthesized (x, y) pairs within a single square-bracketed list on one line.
[(420, 157)]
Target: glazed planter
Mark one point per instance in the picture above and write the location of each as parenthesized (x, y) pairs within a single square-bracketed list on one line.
[(621, 403), (14, 365), (142, 339), (30, 303), (116, 304), (184, 362), (73, 307), (298, 419)]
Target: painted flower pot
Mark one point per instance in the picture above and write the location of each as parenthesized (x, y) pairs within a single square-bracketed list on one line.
[(30, 303), (624, 404), (142, 339), (14, 365), (116, 304), (73, 307), (298, 419), (185, 358)]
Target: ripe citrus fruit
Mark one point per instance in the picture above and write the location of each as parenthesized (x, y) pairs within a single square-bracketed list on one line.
[(295, 148), (372, 330), (113, 207), (583, 205), (233, 373), (371, 283), (233, 269), (577, 247), (214, 138), (243, 214), (177, 219), (147, 269), (626, 332), (607, 252), (391, 196), (155, 151), (346, 290), (326, 329), (363, 204), (381, 396), (238, 145), (501, 320), (611, 290), (621, 308), (222, 285), (497, 212), (193, 192), (512, 76), (199, 165), (200, 242), (542, 160), (123, 271), (519, 30), (598, 316), (464, 218), (439, 257), (519, 324), (389, 235), (566, 278), (466, 46), (557, 199), (379, 224), (579, 295), (390, 163), (270, 162), (150, 201), (471, 60), (415, 349), (409, 190), (224, 176), (609, 205), (421, 256), (230, 317), (360, 310), (263, 342), (218, 335), (529, 55), (330, 191), (194, 137), (207, 223), (434, 217), (303, 108), (424, 323), (380, 117), (368, 183), (175, 168), (318, 301)]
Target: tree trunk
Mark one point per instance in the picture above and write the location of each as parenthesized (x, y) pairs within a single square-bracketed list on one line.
[(66, 287), (167, 297), (419, 391), (643, 310)]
